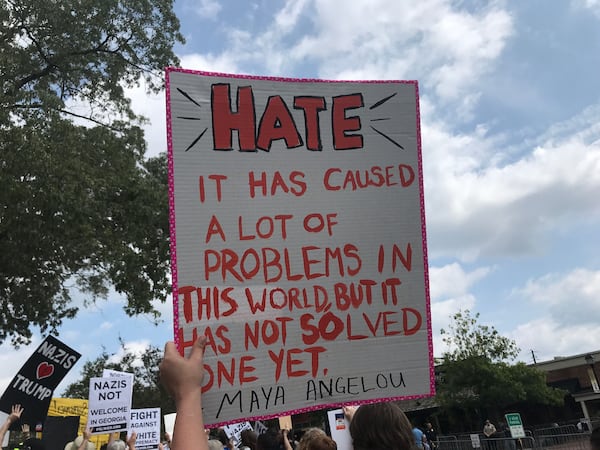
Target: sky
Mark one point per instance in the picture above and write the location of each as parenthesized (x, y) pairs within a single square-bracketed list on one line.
[(510, 128)]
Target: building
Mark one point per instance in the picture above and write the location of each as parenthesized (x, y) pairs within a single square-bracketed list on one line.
[(579, 375)]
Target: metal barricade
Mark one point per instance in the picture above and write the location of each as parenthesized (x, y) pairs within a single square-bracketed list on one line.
[(576, 441), (556, 431), (504, 443), (447, 443)]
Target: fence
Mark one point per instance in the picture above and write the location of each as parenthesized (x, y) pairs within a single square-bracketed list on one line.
[(540, 441)]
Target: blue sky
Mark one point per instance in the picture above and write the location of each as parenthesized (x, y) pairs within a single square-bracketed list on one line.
[(510, 117)]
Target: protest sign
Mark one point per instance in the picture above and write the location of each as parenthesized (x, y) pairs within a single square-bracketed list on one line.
[(65, 407), (146, 423), (34, 384), (298, 241), (234, 431), (259, 427), (109, 404), (340, 429), (169, 420), (107, 373)]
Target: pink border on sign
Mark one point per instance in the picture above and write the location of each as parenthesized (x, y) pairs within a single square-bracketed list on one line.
[(172, 234), (172, 224)]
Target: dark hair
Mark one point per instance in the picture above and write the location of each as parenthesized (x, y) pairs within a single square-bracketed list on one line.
[(383, 426), (248, 438), (595, 439), (220, 435), (269, 440)]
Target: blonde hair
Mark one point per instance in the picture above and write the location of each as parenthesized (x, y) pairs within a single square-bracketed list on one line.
[(308, 436)]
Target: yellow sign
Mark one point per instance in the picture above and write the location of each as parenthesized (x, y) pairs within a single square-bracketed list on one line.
[(65, 407)]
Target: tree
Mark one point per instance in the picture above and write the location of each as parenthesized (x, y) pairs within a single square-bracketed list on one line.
[(477, 379), (147, 390), (81, 208), (466, 338)]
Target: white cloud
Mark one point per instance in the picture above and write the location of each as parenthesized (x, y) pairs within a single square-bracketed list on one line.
[(445, 44), (207, 9), (137, 348), (287, 18), (571, 298), (479, 204), (592, 5), (449, 47), (11, 360), (452, 281), (549, 338)]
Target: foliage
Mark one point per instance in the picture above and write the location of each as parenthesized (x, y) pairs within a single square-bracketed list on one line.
[(147, 390), (476, 378), (468, 339), (80, 206)]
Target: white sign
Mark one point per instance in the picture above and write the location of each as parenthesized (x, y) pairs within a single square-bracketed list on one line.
[(259, 427), (340, 429), (475, 441), (515, 424), (107, 373), (146, 423), (109, 404), (169, 420), (234, 431), (298, 241)]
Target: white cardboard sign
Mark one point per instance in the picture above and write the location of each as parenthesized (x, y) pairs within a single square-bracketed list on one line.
[(146, 423), (109, 404), (298, 241)]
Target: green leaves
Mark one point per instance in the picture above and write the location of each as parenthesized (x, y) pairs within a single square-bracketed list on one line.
[(466, 338), (80, 206), (476, 377), (147, 390)]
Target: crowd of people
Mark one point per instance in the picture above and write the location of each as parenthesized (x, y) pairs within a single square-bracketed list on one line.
[(372, 426), (80, 443)]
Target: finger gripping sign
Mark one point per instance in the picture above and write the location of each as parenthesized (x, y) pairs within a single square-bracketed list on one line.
[(298, 241)]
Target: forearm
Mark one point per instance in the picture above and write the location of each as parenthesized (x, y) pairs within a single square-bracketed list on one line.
[(4, 428), (286, 443), (189, 417)]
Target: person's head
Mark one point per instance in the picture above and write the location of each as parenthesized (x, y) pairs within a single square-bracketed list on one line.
[(215, 444), (321, 442), (248, 438), (222, 436), (428, 425), (487, 422), (595, 439), (308, 436), (381, 425), (74, 445), (117, 445), (269, 440)]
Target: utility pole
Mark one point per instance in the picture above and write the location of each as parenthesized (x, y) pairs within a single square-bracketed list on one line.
[(533, 356)]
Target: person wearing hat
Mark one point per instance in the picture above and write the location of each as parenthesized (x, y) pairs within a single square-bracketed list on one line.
[(81, 442)]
